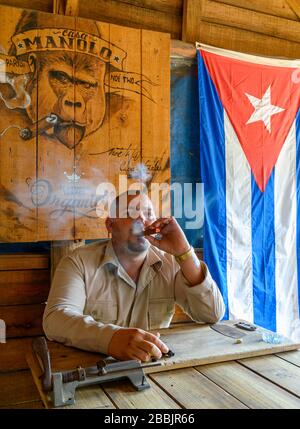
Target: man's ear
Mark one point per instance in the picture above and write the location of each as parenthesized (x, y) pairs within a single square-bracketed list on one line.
[(109, 224)]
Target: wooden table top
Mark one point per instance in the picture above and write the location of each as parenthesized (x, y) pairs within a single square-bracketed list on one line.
[(217, 378)]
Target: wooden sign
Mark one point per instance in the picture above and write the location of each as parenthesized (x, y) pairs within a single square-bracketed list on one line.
[(82, 103)]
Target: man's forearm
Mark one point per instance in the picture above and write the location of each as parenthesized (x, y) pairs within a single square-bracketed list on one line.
[(192, 269)]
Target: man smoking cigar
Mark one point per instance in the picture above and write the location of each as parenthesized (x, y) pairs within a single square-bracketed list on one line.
[(106, 297)]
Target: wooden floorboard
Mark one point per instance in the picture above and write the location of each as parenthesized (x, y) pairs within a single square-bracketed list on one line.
[(193, 390), (276, 370), (124, 396), (251, 389)]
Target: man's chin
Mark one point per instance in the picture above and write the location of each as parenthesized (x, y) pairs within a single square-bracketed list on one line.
[(140, 246)]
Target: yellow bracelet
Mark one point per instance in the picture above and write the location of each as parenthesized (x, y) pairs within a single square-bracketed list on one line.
[(184, 256)]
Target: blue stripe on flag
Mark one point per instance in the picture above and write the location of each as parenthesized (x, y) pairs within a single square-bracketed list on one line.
[(213, 175), (298, 201), (263, 255)]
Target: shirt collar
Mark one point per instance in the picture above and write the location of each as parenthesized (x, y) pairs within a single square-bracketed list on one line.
[(110, 257)]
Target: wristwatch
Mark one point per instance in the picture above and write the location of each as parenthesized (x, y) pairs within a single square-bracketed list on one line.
[(184, 256)]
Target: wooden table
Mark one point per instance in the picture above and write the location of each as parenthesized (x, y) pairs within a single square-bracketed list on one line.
[(224, 375)]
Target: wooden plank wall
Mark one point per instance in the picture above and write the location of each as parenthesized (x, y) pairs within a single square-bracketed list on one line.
[(265, 27), (261, 27), (53, 196), (24, 288), (156, 15)]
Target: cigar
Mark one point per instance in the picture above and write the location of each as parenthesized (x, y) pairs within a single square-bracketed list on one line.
[(150, 231), (38, 127)]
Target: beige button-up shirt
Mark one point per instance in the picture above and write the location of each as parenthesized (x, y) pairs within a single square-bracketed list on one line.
[(92, 296)]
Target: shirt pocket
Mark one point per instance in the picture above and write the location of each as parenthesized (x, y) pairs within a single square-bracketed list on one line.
[(161, 311), (104, 311)]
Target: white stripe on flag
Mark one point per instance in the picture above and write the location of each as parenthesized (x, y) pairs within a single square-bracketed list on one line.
[(285, 237), (238, 227)]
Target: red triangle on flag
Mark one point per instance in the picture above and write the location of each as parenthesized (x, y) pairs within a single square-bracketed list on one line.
[(261, 102)]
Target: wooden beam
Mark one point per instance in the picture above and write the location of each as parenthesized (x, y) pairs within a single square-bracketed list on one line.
[(295, 6), (72, 7), (260, 23), (59, 7), (191, 20), (59, 249)]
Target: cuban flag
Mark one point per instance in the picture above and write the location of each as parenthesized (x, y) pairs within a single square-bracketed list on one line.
[(250, 148)]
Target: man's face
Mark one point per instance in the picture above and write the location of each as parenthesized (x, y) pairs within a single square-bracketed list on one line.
[(139, 214), (72, 87)]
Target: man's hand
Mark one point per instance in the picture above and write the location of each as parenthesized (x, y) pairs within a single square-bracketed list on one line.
[(132, 343), (173, 239)]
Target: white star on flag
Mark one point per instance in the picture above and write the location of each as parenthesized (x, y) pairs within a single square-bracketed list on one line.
[(264, 110)]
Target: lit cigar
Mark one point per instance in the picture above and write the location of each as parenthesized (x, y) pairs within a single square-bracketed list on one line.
[(138, 230), (39, 127)]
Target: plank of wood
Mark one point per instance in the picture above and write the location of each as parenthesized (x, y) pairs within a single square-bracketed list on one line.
[(232, 16), (193, 345), (124, 396), (292, 357), (156, 116), (24, 287), (91, 397), (278, 8), (56, 157), (31, 405), (199, 344), (25, 405), (42, 5), (125, 125), (23, 261), (59, 6), (242, 40), (251, 389), (192, 390), (13, 354), (224, 36), (191, 20), (22, 320), (295, 6), (93, 169), (18, 214), (132, 16), (16, 388), (276, 370), (173, 7), (72, 7)]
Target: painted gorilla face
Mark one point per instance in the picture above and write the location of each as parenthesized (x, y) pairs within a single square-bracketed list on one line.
[(70, 85)]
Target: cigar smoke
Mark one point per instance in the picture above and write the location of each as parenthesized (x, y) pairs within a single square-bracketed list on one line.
[(21, 98)]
